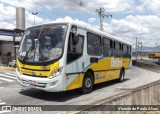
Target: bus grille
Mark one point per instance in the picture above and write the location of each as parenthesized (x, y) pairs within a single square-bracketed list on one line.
[(35, 75)]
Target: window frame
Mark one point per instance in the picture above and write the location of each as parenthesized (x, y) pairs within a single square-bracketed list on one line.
[(120, 45), (81, 54), (110, 43), (127, 48), (82, 44), (109, 48), (100, 46)]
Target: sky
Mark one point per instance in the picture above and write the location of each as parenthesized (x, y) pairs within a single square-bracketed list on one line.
[(130, 18)]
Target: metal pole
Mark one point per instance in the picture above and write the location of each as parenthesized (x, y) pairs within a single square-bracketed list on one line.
[(101, 13), (14, 47), (101, 18), (34, 16), (34, 19), (136, 48), (141, 50)]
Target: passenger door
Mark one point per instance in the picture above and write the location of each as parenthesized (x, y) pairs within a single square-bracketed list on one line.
[(75, 60)]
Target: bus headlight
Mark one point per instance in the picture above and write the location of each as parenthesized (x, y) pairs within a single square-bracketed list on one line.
[(56, 72)]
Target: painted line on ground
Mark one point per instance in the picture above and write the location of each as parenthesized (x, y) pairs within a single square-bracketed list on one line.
[(10, 74), (2, 103), (2, 112), (2, 75), (6, 79)]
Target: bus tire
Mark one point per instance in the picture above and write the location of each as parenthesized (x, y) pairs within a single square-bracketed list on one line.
[(121, 76), (87, 83)]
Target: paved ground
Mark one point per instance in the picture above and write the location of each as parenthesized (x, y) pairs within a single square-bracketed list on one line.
[(148, 64), (148, 61), (13, 94)]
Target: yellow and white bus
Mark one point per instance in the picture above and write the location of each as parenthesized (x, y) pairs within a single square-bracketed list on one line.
[(154, 55), (62, 56)]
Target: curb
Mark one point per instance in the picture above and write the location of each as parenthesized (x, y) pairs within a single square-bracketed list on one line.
[(153, 112), (7, 68)]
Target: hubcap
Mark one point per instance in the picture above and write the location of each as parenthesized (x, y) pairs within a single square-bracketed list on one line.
[(88, 82)]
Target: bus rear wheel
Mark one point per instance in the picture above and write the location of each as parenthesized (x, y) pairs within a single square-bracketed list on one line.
[(121, 76), (87, 83)]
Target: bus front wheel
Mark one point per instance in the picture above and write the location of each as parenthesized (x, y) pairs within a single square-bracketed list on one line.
[(87, 83)]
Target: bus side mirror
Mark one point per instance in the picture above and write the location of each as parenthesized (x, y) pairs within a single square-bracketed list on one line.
[(74, 29), (93, 60), (75, 35), (75, 39)]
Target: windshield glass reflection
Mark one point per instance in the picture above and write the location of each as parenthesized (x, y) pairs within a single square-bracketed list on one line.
[(43, 43)]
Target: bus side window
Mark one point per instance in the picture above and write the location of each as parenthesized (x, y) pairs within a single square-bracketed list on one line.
[(94, 44), (129, 51), (107, 48), (117, 49), (126, 51), (75, 50)]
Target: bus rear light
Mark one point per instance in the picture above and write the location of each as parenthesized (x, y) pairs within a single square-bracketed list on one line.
[(56, 72)]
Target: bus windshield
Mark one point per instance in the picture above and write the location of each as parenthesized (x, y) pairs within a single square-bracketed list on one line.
[(42, 43)]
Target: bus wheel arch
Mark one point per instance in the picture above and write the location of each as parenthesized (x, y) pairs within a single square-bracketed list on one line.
[(123, 69), (88, 81), (92, 72), (121, 75)]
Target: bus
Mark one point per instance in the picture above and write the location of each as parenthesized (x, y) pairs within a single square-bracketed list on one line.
[(68, 55), (154, 55)]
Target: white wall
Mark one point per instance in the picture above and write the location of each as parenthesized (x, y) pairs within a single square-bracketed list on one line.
[(6, 48), (9, 38)]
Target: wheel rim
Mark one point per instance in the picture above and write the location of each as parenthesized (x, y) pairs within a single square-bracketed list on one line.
[(88, 83)]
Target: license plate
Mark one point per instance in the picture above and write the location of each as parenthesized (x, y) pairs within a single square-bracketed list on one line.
[(32, 82)]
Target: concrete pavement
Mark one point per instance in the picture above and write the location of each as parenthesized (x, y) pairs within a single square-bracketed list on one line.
[(13, 94)]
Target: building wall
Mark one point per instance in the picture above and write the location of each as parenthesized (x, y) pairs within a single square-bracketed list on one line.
[(6, 47)]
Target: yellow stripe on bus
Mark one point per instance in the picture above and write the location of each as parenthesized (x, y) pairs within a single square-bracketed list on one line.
[(105, 72), (38, 70)]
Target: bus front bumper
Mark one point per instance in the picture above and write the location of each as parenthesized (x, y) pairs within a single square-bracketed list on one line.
[(51, 85)]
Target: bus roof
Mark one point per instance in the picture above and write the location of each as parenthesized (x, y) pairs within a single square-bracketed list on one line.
[(90, 28)]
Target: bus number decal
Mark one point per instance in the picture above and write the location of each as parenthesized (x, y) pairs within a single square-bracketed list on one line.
[(44, 67), (22, 54)]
